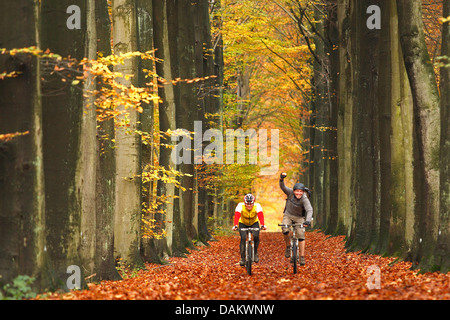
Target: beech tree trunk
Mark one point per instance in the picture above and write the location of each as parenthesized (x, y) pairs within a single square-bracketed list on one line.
[(146, 19), (426, 130), (22, 194), (333, 99), (105, 167), (442, 253), (376, 195), (209, 61), (62, 109), (364, 122), (400, 191), (186, 113), (347, 84), (167, 119), (319, 119), (127, 228), (87, 166)]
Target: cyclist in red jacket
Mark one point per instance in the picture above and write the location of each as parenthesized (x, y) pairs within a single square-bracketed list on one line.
[(248, 214)]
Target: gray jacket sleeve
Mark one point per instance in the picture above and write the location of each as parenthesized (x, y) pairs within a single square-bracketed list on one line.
[(308, 208)]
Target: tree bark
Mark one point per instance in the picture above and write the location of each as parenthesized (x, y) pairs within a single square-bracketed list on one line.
[(320, 115), (167, 121), (22, 194), (128, 144), (366, 61), (106, 167), (62, 108), (426, 130), (146, 19), (187, 112), (442, 253), (345, 116), (400, 189), (87, 166), (178, 237), (204, 66), (333, 98)]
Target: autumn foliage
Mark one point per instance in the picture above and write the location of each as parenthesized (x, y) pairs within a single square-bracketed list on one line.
[(214, 273)]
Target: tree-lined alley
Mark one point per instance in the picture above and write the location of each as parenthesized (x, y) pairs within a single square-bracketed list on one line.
[(95, 117), (214, 273)]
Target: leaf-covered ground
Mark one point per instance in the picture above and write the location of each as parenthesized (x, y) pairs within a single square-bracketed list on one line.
[(330, 273)]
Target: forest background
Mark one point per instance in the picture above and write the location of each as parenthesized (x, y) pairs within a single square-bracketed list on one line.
[(88, 115)]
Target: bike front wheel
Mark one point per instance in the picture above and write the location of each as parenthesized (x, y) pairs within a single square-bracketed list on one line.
[(295, 255), (249, 260)]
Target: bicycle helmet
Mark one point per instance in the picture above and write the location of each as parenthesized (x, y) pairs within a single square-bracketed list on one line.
[(299, 186), (249, 199)]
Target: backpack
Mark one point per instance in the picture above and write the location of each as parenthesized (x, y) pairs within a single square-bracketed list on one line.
[(309, 192)]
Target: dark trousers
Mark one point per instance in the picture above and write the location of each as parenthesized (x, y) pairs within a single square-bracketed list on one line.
[(244, 237)]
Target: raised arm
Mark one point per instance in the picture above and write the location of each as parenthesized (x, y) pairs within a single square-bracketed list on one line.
[(283, 187)]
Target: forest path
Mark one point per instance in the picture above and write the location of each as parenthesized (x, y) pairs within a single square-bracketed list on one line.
[(330, 273)]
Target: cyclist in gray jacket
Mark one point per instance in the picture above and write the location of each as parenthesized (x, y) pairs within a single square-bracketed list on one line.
[(298, 210)]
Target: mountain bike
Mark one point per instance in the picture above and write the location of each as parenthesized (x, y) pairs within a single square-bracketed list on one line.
[(249, 249), (294, 243)]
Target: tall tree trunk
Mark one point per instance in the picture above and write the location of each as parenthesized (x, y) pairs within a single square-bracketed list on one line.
[(177, 50), (216, 106), (62, 108), (442, 254), (204, 66), (187, 111), (320, 115), (345, 116), (382, 134), (22, 194), (145, 43), (106, 167), (87, 166), (366, 60), (333, 98), (426, 130), (128, 143), (323, 146), (400, 217), (167, 120)]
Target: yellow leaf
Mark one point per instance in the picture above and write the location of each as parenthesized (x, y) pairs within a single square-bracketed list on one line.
[(445, 20)]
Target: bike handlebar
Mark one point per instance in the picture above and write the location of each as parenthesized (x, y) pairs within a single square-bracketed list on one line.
[(249, 229), (292, 225)]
